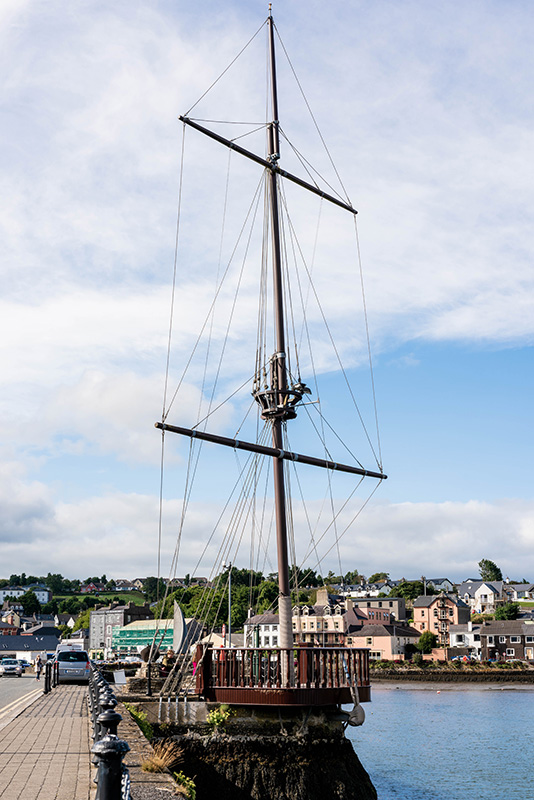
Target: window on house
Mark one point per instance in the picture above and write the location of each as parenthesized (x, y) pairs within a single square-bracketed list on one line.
[(336, 624), (490, 639), (294, 626), (435, 612), (510, 651), (312, 625), (529, 639), (423, 626), (369, 641), (515, 639), (376, 656), (266, 641), (275, 641), (390, 604), (380, 604), (422, 612), (436, 625), (476, 637), (502, 639)]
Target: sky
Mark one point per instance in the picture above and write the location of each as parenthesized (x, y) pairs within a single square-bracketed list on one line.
[(428, 112)]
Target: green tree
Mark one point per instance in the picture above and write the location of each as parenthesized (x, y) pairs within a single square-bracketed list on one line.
[(353, 577), (489, 571), (378, 576), (507, 611), (55, 583), (268, 596), (83, 620), (70, 606), (410, 589), (154, 588), (427, 641), (30, 603)]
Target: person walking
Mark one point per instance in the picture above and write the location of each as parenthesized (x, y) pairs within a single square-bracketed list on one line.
[(38, 668)]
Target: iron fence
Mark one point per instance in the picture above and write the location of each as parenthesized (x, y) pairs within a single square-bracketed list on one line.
[(113, 779)]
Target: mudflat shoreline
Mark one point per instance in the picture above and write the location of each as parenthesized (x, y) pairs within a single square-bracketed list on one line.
[(518, 677)]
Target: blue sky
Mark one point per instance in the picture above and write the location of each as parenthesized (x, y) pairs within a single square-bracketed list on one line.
[(429, 114)]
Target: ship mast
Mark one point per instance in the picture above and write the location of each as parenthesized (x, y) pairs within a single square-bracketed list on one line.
[(278, 368), (278, 399)]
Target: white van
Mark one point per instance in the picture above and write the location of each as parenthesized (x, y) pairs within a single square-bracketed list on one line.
[(68, 644)]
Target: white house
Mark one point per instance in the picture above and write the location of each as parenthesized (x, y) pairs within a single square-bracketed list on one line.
[(43, 594), (466, 635), (262, 630)]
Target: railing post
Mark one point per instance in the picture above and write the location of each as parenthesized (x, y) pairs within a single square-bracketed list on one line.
[(108, 753)]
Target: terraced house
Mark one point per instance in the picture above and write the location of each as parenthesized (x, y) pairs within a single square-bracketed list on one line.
[(437, 613), (510, 639)]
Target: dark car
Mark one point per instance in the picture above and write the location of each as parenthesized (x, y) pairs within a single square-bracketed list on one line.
[(73, 665)]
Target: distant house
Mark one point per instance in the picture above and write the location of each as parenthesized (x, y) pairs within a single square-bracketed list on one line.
[(92, 588), (508, 639), (26, 647), (522, 591), (262, 630), (122, 585), (64, 619), (467, 636), (484, 597), (395, 605), (103, 620), (42, 629), (385, 642), (437, 613), (440, 584), (8, 629), (139, 583), (43, 594)]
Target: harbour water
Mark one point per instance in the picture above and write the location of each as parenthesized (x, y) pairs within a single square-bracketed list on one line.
[(448, 742)]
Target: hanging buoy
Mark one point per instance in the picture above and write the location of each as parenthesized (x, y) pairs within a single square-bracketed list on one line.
[(356, 716)]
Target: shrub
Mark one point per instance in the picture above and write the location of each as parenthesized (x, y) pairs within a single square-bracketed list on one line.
[(167, 754), (186, 786), (220, 716), (141, 719)]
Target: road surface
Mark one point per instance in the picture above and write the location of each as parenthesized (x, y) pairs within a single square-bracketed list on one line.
[(16, 694)]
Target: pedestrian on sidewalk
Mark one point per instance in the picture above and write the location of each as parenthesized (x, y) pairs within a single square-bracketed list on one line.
[(38, 668)]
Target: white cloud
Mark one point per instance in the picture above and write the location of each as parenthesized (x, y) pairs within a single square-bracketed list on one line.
[(119, 532), (433, 136)]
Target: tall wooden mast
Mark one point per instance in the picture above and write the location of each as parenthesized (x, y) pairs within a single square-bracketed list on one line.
[(278, 399), (278, 367)]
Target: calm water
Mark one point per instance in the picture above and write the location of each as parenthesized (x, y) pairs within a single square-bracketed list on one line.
[(462, 743)]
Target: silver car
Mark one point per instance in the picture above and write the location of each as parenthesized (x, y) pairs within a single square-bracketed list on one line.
[(73, 665), (10, 666)]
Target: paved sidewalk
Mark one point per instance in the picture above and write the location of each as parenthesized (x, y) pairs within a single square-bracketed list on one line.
[(45, 751)]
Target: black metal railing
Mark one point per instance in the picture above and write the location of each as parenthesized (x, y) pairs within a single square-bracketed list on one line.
[(113, 778), (51, 679)]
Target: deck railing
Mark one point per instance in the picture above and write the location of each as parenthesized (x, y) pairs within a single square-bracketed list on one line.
[(292, 676)]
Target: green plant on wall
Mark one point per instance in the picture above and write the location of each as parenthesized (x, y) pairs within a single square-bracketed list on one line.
[(218, 717), (187, 785)]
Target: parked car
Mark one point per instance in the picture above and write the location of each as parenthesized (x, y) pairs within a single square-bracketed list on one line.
[(10, 666), (73, 665)]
